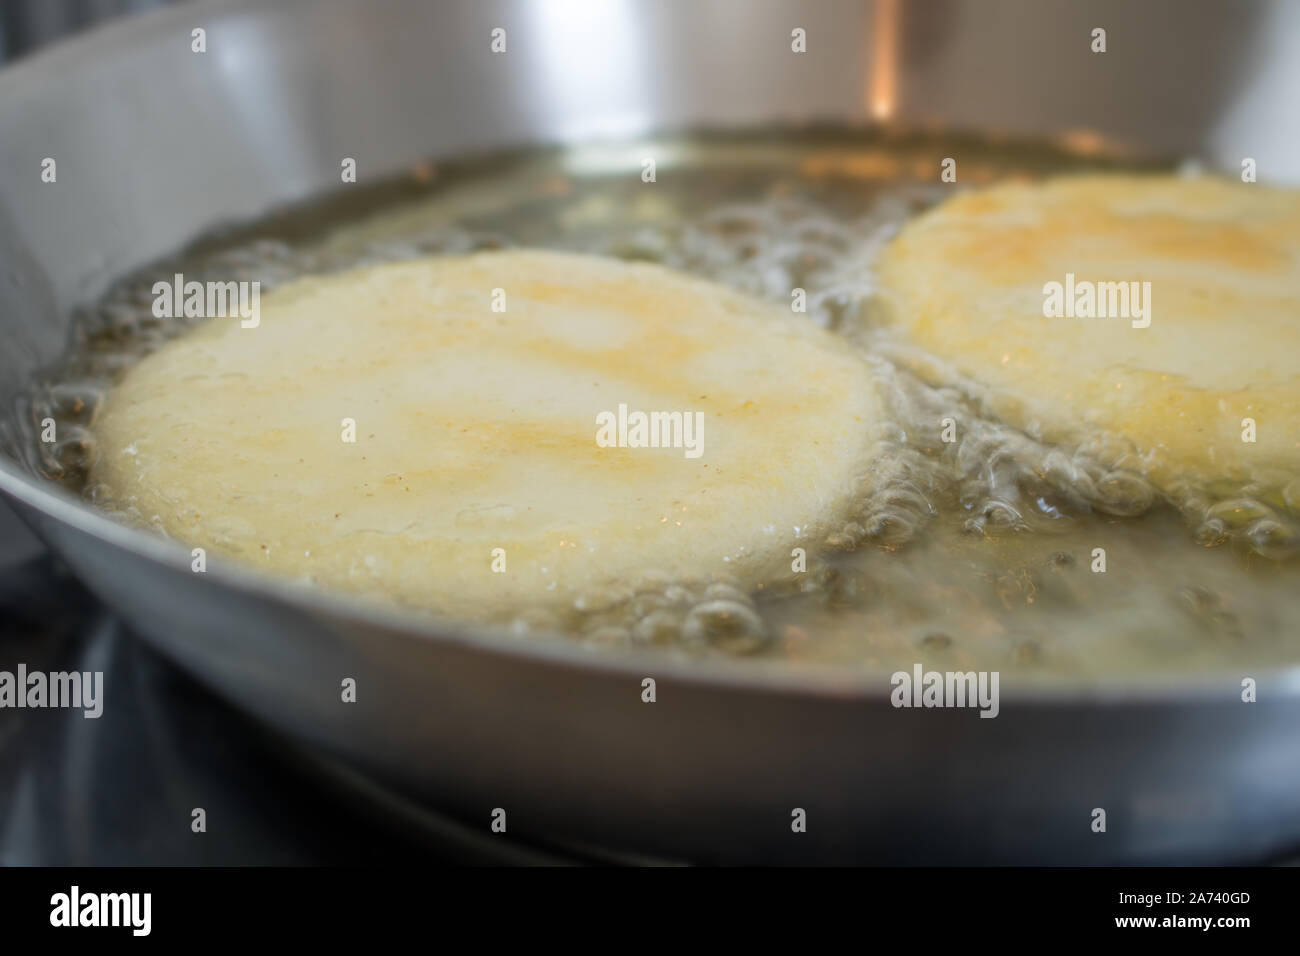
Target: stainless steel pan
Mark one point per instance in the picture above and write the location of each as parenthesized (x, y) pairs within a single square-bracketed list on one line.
[(156, 144)]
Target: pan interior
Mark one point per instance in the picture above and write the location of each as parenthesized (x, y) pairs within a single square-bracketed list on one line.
[(978, 553)]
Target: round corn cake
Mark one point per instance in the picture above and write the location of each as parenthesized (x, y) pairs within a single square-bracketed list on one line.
[(1219, 343), (496, 461)]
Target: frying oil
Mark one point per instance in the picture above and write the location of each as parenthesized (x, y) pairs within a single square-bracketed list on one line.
[(986, 551)]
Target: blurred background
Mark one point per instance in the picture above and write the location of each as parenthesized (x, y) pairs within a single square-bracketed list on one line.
[(26, 25)]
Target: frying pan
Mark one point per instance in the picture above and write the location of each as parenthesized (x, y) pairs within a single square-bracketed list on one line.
[(156, 144)]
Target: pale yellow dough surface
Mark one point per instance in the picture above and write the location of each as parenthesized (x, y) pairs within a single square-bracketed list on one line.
[(965, 281), (476, 430)]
